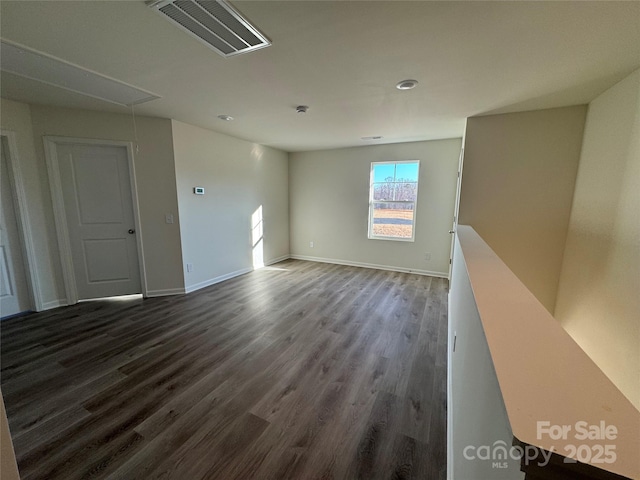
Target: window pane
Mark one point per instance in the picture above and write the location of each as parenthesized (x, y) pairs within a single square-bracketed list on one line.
[(394, 192), (406, 191), (407, 172), (383, 191), (383, 172), (393, 219)]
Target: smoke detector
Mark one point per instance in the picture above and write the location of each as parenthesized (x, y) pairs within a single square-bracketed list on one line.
[(406, 84), (302, 109)]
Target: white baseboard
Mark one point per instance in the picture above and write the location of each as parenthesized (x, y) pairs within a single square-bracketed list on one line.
[(276, 260), (59, 302), (370, 265), (213, 281), (165, 292), (242, 271)]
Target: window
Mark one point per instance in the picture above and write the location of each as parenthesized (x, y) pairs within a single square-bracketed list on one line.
[(393, 194)]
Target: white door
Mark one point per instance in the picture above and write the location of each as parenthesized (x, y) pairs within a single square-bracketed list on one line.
[(14, 293), (96, 189)]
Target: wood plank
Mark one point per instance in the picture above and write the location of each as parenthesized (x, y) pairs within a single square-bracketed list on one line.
[(305, 370)]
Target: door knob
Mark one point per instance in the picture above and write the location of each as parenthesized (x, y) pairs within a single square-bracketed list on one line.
[(131, 231)]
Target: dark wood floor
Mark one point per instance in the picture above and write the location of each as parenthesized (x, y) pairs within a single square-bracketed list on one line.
[(298, 371)]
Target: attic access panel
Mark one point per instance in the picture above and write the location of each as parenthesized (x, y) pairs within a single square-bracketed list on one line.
[(214, 23)]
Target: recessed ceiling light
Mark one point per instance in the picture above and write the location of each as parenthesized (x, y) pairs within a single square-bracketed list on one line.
[(226, 118), (406, 84), (375, 137)]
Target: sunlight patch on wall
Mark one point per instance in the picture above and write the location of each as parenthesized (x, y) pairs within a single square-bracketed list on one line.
[(257, 238)]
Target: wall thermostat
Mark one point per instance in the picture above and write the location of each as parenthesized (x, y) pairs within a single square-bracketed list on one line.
[(198, 190)]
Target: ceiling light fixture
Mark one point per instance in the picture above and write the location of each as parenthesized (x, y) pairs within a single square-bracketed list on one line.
[(226, 118), (375, 137), (406, 84), (302, 109)]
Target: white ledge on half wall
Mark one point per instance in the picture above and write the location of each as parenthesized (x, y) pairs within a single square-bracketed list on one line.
[(543, 374)]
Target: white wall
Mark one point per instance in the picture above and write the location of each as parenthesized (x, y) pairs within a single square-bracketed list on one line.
[(8, 465), (238, 178), (517, 185), (599, 293), (477, 413), (155, 174), (16, 117), (329, 195)]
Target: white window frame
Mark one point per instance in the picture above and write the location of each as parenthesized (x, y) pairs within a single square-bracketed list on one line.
[(370, 233)]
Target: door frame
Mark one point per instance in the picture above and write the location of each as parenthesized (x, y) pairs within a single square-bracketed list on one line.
[(60, 215), (456, 209), (19, 194)]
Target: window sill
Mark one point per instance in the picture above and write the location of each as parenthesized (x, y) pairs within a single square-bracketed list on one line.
[(393, 239)]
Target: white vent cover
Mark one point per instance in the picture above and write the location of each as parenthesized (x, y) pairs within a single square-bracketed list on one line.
[(213, 22)]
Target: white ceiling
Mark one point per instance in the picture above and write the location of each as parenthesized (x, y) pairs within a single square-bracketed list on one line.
[(342, 59)]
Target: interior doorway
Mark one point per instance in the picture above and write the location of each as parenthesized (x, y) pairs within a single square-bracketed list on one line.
[(96, 213), (456, 209), (14, 289)]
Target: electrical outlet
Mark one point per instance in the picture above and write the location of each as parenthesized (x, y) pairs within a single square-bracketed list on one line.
[(427, 256), (189, 267), (310, 244), (168, 218)]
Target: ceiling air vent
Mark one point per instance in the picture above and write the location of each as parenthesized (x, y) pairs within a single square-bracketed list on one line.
[(213, 22)]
